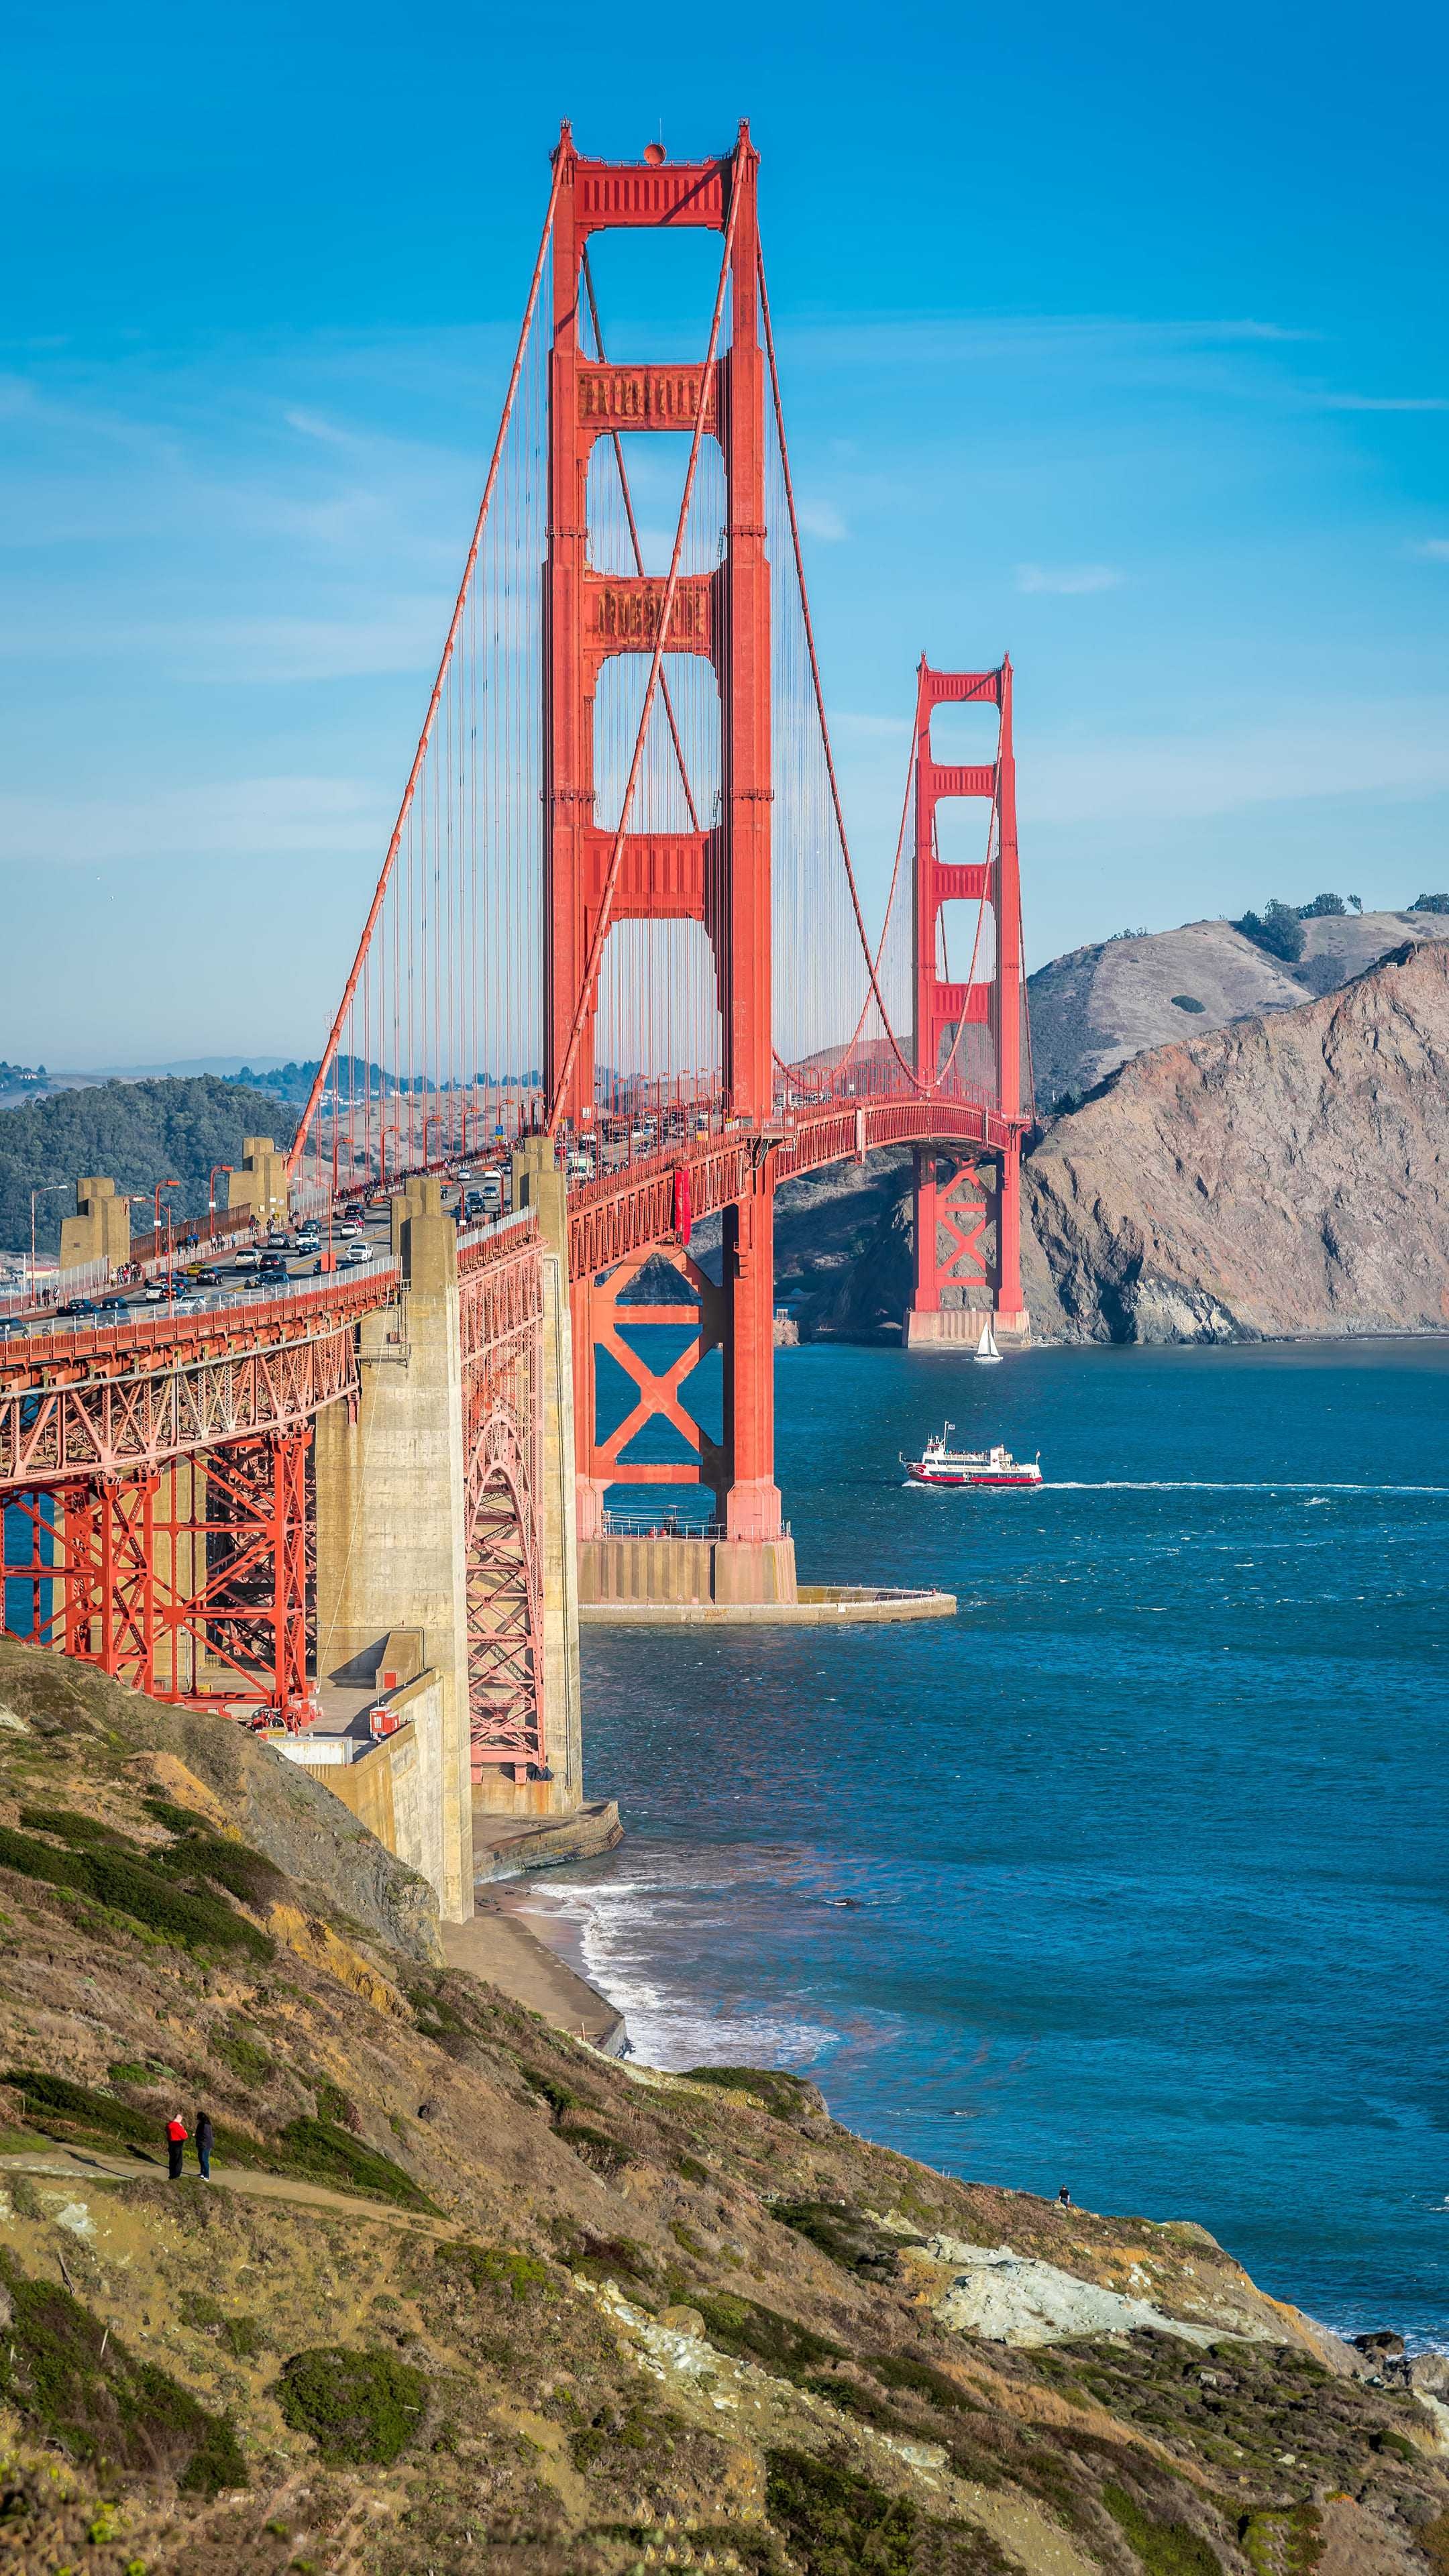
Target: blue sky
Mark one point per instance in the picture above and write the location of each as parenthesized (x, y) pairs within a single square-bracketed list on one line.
[(1116, 337)]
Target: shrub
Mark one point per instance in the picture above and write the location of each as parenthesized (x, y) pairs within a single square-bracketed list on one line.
[(494, 2267), (897, 2370), (1324, 907), (1165, 2548), (1430, 903), (242, 1872), (54, 2099), (1276, 928), (78, 2385), (232, 2043), (134, 1887), (559, 2097), (755, 2333), (354, 2405), (1286, 2542), (1187, 1002), (841, 2232), (839, 2524), (594, 2147), (325, 2153), (71, 1827), (788, 2097), (862, 2404)]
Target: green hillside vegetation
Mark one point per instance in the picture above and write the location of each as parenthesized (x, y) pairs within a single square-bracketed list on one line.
[(136, 1134), (464, 2297)]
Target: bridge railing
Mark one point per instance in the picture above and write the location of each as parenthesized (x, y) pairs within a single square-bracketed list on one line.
[(45, 1336)]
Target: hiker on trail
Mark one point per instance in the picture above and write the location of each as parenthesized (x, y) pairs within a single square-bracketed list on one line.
[(175, 2141), (204, 2135)]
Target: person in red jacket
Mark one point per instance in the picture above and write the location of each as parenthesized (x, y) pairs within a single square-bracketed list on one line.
[(176, 2134)]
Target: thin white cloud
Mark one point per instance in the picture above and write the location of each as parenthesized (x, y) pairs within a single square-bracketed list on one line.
[(1397, 748), (234, 819), (1384, 402), (1068, 581), (871, 728), (1432, 550), (820, 519)]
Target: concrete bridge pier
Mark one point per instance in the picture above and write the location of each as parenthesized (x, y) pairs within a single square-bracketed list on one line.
[(392, 1522)]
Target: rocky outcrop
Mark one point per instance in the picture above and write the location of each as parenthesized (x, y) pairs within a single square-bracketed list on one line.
[(1095, 1008), (1285, 1175)]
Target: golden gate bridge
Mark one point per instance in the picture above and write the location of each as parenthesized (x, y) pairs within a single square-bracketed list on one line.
[(619, 936)]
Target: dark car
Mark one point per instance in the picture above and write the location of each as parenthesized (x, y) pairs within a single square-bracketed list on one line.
[(271, 1266), (204, 1278), (115, 1306), (79, 1306)]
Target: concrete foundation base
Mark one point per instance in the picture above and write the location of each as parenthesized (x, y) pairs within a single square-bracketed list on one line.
[(685, 1571), (817, 1605), (954, 1328), (509, 1848)]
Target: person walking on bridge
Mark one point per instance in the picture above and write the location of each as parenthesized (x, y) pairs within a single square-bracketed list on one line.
[(175, 2145)]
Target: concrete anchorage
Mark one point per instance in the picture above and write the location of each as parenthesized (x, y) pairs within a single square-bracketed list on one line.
[(392, 1515)]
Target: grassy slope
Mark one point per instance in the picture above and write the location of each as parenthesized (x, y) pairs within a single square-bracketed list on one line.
[(501, 2385)]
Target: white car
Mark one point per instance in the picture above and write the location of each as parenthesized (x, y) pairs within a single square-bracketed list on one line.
[(355, 1255), (351, 1226), (247, 1258)]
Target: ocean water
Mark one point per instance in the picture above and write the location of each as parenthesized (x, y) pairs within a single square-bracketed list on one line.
[(1134, 1875)]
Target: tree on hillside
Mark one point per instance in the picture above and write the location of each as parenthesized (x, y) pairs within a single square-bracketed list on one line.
[(135, 1133), (1276, 928)]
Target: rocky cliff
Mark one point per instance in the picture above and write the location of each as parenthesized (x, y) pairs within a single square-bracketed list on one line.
[(462, 2295), (1288, 1174)]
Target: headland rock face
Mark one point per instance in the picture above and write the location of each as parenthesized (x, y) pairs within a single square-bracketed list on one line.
[(1284, 1175)]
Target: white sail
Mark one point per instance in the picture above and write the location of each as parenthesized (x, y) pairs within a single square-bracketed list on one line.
[(986, 1348)]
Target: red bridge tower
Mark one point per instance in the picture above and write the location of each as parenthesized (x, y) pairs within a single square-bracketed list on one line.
[(718, 876), (985, 1276)]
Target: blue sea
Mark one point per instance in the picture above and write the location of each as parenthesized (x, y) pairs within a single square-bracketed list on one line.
[(1134, 1875)]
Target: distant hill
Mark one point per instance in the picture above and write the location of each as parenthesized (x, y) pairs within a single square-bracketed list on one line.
[(1096, 1007), (136, 1133)]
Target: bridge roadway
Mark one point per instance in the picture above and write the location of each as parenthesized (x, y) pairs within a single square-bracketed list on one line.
[(160, 1382)]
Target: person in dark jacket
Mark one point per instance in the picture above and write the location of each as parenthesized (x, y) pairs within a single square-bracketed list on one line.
[(175, 2144), (204, 2135)]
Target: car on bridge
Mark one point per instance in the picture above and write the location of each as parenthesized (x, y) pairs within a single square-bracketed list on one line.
[(355, 1255), (79, 1306), (246, 1259)]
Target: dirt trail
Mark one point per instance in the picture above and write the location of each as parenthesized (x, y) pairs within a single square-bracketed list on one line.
[(80, 2164)]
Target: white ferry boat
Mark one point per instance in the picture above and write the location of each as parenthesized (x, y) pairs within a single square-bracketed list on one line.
[(939, 1464)]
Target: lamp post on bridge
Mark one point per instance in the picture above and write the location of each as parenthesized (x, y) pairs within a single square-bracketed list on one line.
[(211, 1195), (44, 1191), (170, 1232)]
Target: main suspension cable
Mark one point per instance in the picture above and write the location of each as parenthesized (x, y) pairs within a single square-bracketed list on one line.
[(425, 737)]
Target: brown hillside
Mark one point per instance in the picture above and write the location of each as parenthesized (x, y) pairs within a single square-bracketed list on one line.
[(1284, 1175), (463, 2296)]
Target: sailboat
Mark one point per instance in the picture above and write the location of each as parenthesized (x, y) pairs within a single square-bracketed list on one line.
[(986, 1349)]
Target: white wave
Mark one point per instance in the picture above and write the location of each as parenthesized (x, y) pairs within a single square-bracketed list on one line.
[(1202, 1485), (625, 1928)]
